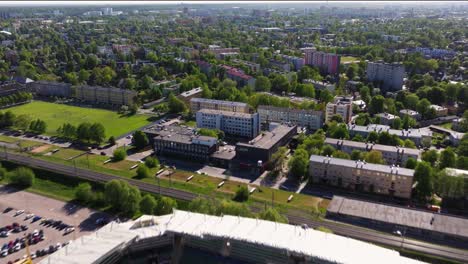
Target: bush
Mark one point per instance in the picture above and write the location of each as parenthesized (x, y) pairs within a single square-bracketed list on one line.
[(143, 172), (165, 205), (111, 140), (271, 214), (119, 154), (151, 162), (22, 176), (242, 194), (84, 193), (148, 204), (3, 172)]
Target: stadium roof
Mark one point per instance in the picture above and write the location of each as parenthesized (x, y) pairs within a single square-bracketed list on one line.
[(309, 242)]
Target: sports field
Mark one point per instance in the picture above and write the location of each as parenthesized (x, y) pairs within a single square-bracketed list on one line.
[(57, 114)]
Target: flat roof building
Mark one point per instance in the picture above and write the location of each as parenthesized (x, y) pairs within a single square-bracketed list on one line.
[(187, 95), (304, 118), (105, 95), (232, 123), (387, 76), (361, 176), (181, 141), (440, 110), (342, 106), (196, 104), (229, 239), (46, 88), (386, 118), (417, 223), (265, 145), (391, 154), (415, 135), (411, 113)]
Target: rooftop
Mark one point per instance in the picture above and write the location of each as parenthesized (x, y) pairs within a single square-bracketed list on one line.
[(378, 147), (212, 101), (176, 133), (283, 109), (284, 237), (400, 216), (268, 139), (384, 128), (191, 92), (225, 113), (363, 165)]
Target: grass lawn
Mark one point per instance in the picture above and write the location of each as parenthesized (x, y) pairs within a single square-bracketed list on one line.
[(57, 114), (24, 143), (348, 59), (447, 125)]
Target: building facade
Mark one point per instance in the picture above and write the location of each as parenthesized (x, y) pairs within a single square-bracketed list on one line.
[(386, 118), (304, 118), (46, 88), (418, 136), (196, 104), (327, 62), (180, 142), (393, 155), (105, 95), (232, 123), (388, 76), (411, 113), (362, 176), (341, 106)]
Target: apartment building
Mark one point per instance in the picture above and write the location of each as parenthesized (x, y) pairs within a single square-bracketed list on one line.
[(318, 85), (105, 95), (386, 118), (362, 176), (391, 154), (232, 123), (418, 136), (239, 76), (387, 76), (297, 62), (254, 67), (343, 106), (440, 110), (327, 62), (46, 88), (303, 118), (282, 66), (411, 113), (188, 95), (182, 142), (196, 104)]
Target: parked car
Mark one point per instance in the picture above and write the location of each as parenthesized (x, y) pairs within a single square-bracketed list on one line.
[(69, 230), (36, 218), (101, 221), (17, 247), (19, 212), (28, 216), (4, 234), (4, 253), (8, 209), (35, 233)]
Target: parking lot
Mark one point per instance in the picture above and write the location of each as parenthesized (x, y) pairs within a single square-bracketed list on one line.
[(17, 206)]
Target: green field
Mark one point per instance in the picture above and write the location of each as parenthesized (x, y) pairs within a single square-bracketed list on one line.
[(345, 59), (57, 114)]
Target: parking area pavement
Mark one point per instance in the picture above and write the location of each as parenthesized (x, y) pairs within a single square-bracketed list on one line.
[(82, 219)]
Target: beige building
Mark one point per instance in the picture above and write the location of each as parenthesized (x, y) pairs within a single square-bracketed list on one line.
[(105, 95), (232, 123), (342, 106), (305, 118), (391, 154), (361, 176), (440, 110), (196, 104), (188, 95)]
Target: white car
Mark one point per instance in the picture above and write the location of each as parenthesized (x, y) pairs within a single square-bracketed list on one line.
[(17, 247), (4, 253), (69, 230), (35, 233), (58, 246), (29, 216), (19, 212), (4, 234), (33, 256)]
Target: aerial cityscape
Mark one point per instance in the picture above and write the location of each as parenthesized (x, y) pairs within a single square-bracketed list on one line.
[(233, 132)]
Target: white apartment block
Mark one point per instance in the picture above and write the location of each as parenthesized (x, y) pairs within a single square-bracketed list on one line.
[(393, 155), (361, 176), (341, 106), (196, 104), (232, 123), (389, 75), (304, 118)]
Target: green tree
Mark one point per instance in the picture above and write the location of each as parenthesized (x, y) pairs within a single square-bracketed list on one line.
[(111, 141), (242, 194), (97, 133), (374, 156), (449, 187), (165, 206), (271, 214), (424, 177), (430, 156), (447, 159), (376, 104), (327, 150), (176, 105), (148, 204), (262, 84), (152, 162), (277, 159), (119, 154), (280, 84), (411, 163), (411, 101), (38, 126), (373, 136), (356, 155), (140, 140), (143, 172), (84, 193), (397, 123), (408, 143), (116, 192), (132, 203), (299, 163), (83, 132), (22, 122), (22, 176)]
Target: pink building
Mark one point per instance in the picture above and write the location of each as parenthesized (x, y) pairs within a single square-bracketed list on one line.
[(326, 62)]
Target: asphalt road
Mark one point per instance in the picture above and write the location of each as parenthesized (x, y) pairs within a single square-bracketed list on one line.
[(337, 228)]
